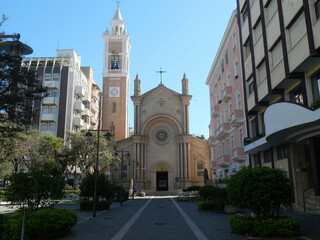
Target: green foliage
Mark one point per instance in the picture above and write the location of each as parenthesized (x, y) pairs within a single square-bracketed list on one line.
[(192, 188), (100, 205), (19, 87), (118, 192), (207, 191), (182, 199), (259, 189), (275, 226), (42, 224), (103, 186), (216, 205), (316, 103), (71, 192), (241, 224), (38, 187), (2, 193)]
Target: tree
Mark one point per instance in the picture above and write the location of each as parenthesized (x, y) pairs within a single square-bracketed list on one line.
[(35, 188), (103, 186), (19, 88), (84, 149), (259, 189)]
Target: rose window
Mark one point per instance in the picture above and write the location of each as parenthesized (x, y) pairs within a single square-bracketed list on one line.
[(161, 136)]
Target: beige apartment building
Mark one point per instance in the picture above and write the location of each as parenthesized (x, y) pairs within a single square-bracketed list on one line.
[(228, 120), (280, 41)]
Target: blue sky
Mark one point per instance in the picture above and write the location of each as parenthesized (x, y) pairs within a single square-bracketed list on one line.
[(177, 35)]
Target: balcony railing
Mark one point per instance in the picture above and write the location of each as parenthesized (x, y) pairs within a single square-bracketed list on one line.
[(78, 122), (239, 155), (94, 121), (215, 111), (222, 131), (237, 117), (227, 93), (86, 112), (213, 165), (79, 107), (51, 84), (224, 161), (94, 108), (49, 117), (212, 141), (80, 91), (50, 100)]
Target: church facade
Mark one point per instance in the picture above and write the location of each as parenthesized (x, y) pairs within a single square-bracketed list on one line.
[(161, 155)]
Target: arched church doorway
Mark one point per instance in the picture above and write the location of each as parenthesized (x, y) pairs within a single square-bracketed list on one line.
[(162, 178)]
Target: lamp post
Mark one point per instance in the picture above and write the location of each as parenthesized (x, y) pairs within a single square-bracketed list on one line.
[(128, 156), (108, 136)]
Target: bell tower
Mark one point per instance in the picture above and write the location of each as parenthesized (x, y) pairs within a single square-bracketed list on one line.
[(115, 107)]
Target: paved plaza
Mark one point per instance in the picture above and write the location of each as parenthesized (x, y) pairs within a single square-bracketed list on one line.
[(164, 218)]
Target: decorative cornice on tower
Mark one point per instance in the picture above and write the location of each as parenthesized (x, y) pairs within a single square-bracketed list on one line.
[(185, 87), (137, 84)]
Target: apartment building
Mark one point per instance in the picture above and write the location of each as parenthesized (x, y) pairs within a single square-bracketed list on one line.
[(280, 43), (72, 103), (227, 124)]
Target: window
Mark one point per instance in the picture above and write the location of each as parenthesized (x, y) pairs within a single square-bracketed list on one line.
[(267, 156), (225, 115), (227, 145), (216, 79), (45, 110), (219, 75), (214, 154), (53, 110), (245, 14), (256, 159), (227, 57), (251, 88), (52, 127), (223, 149), (277, 54), (247, 49), (222, 65), (44, 127), (113, 107), (296, 95), (47, 77), (232, 142), (236, 69), (317, 8), (219, 150), (241, 137), (56, 77), (315, 79), (297, 30), (230, 109), (271, 9), (262, 72), (234, 41), (54, 94), (282, 152), (228, 80), (257, 32), (254, 127), (238, 101), (200, 166)]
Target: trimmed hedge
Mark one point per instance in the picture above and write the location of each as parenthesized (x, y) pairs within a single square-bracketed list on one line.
[(192, 188), (71, 192), (277, 226), (42, 224), (2, 193), (211, 205), (100, 205)]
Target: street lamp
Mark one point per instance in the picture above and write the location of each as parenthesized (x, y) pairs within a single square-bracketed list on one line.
[(108, 136)]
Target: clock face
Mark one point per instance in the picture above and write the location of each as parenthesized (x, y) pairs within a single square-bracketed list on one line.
[(114, 92)]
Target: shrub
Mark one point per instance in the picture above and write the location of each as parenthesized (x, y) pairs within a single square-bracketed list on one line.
[(275, 226), (100, 205), (117, 192), (47, 223), (241, 224), (2, 194), (193, 188), (207, 191), (259, 189), (72, 192), (211, 205), (103, 186)]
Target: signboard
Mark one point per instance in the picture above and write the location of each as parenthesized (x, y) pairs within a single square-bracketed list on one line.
[(177, 179)]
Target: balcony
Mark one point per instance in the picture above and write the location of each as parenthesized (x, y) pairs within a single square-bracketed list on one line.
[(95, 94), (85, 127), (86, 98), (213, 165), (237, 117), (52, 84), (86, 112), (222, 131), (78, 106), (212, 141), (239, 155), (78, 122), (215, 111), (48, 117), (224, 161), (227, 94), (50, 100), (94, 121), (80, 91), (94, 108)]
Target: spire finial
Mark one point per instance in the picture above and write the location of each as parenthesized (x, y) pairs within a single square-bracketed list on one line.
[(118, 2)]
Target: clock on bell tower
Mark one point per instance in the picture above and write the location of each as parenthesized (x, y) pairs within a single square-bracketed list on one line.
[(115, 107)]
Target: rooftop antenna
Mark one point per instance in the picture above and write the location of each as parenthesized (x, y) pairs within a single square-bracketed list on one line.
[(161, 74)]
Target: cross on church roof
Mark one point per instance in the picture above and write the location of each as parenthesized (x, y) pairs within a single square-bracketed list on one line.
[(117, 2), (161, 74)]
